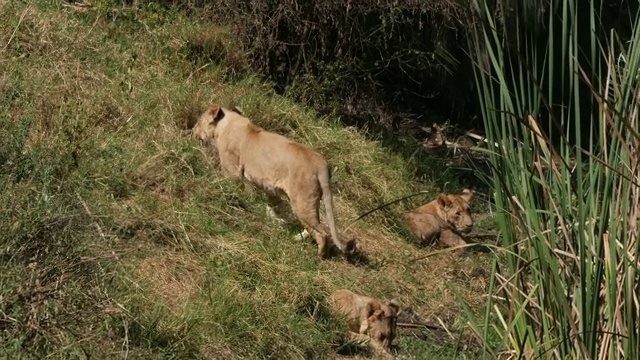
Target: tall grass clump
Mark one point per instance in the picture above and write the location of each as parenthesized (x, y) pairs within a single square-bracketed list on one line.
[(560, 100)]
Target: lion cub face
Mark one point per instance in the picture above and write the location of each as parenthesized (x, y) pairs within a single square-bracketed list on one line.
[(382, 324), (368, 318), (455, 211), (206, 126)]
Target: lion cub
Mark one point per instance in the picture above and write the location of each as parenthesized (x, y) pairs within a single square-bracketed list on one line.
[(444, 219), (369, 320), (277, 165)]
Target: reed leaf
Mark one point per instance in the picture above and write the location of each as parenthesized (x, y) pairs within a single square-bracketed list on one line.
[(562, 106)]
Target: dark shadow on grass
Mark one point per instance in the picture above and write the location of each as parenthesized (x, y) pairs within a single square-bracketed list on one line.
[(358, 258), (354, 256), (353, 349), (350, 348), (480, 248), (433, 167)]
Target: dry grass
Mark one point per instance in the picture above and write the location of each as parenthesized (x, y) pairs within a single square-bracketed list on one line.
[(145, 247), (177, 278)]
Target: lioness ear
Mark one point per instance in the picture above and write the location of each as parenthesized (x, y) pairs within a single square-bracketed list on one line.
[(444, 201), (467, 194), (216, 114)]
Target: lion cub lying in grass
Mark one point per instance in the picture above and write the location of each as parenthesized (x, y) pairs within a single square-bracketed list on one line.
[(277, 165), (370, 320), (444, 219)]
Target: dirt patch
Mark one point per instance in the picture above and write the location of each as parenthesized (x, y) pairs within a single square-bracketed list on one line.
[(176, 278)]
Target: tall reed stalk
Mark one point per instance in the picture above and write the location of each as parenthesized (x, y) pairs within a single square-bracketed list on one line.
[(566, 286)]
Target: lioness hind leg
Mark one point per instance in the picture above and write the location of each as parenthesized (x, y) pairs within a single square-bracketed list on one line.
[(306, 210), (348, 245), (323, 243)]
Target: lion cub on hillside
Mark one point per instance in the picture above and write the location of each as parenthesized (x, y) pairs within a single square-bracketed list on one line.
[(277, 165), (444, 219), (369, 320)]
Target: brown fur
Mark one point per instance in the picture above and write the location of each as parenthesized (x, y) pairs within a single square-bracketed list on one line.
[(444, 219), (369, 320), (275, 164)]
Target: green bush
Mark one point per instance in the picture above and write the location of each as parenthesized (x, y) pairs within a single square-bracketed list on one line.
[(396, 54)]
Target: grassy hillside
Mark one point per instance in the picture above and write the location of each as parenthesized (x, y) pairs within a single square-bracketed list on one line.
[(120, 236)]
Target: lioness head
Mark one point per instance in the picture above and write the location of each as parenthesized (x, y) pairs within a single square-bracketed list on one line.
[(381, 322), (206, 125), (455, 209)]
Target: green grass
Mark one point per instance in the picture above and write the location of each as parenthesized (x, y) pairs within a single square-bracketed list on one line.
[(121, 237)]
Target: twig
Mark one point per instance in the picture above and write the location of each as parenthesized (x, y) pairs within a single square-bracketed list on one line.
[(86, 208), (481, 236), (481, 138), (384, 206), (197, 70), (443, 250), (24, 13), (445, 328), (125, 341), (421, 325)]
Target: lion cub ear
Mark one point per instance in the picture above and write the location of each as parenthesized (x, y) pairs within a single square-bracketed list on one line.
[(371, 308), (368, 309), (396, 306), (376, 314), (467, 194), (216, 114), (444, 201)]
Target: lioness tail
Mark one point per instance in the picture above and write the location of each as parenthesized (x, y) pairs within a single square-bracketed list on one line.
[(323, 178)]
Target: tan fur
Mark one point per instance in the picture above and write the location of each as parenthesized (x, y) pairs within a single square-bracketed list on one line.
[(276, 164), (444, 219), (369, 320)]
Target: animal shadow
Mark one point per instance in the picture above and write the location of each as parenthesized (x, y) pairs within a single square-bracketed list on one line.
[(358, 258)]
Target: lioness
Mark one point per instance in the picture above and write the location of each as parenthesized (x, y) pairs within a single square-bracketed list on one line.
[(275, 164), (369, 320), (444, 219)]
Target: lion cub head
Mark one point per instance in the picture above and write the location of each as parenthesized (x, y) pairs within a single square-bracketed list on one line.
[(381, 323), (369, 319), (455, 211)]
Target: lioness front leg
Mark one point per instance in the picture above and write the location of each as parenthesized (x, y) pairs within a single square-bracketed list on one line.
[(231, 163)]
